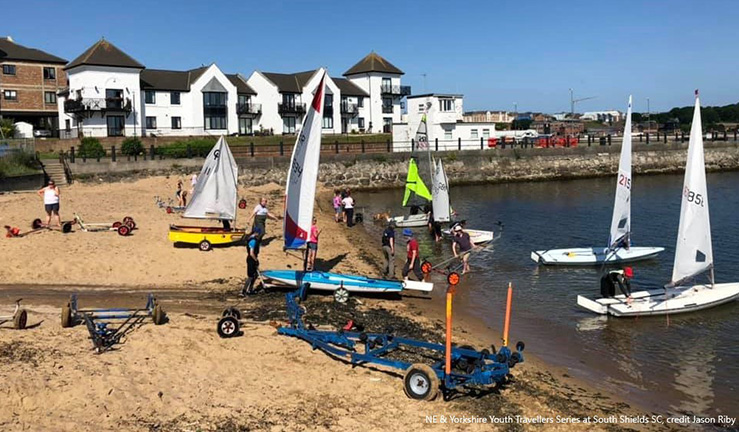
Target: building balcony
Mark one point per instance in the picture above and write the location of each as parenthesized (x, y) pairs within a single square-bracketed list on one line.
[(387, 109), (291, 109), (349, 110), (249, 109), (102, 105), (396, 90)]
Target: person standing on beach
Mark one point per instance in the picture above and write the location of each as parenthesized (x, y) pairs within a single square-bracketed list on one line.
[(312, 245), (464, 243), (252, 261), (338, 211), (193, 183), (260, 216), (413, 260), (51, 202), (388, 250), (181, 194), (349, 208)]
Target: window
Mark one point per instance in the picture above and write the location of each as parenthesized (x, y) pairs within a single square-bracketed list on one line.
[(360, 101), (215, 122), (67, 125), (10, 95), (360, 122), (448, 134), (116, 125), (486, 133), (473, 134), (387, 105), (113, 98), (245, 126), (150, 96), (288, 125), (49, 73), (174, 98), (50, 97), (8, 69), (151, 122), (386, 85), (328, 122), (421, 108), (214, 110), (176, 122), (244, 99), (446, 105), (387, 124)]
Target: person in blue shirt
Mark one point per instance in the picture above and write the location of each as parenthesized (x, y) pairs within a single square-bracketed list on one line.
[(252, 261), (388, 250)]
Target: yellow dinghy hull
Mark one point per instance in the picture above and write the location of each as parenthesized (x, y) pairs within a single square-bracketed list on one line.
[(205, 237)]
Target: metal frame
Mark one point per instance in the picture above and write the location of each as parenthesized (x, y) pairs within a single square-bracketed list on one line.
[(12, 318)]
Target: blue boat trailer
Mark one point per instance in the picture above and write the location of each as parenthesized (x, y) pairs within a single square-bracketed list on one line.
[(469, 368), (99, 321)]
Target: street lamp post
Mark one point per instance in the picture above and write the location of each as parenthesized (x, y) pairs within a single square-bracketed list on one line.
[(649, 124), (515, 115)]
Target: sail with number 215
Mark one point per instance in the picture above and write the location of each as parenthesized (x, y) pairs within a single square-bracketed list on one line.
[(300, 190)]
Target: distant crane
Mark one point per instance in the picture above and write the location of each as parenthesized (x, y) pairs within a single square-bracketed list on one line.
[(573, 101)]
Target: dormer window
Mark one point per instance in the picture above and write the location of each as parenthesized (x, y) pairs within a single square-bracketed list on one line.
[(446, 105)]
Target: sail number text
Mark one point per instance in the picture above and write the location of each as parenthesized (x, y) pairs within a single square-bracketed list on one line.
[(693, 197), (624, 181)]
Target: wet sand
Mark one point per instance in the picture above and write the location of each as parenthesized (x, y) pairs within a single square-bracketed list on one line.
[(181, 375)]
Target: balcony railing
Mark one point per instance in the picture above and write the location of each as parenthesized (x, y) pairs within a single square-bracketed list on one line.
[(291, 108), (396, 90), (348, 109), (75, 106), (387, 109), (249, 108)]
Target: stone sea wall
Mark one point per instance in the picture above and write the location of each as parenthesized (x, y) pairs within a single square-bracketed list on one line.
[(365, 171)]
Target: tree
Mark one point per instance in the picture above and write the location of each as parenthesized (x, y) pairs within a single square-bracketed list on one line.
[(7, 128)]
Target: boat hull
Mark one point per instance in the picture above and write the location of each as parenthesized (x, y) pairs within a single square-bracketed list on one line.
[(593, 256), (410, 220), (195, 235), (476, 236), (324, 281), (680, 299)]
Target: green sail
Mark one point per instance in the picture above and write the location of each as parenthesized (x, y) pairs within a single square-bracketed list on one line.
[(416, 192)]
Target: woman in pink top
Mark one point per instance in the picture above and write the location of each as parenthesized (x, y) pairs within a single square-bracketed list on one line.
[(337, 206), (312, 245)]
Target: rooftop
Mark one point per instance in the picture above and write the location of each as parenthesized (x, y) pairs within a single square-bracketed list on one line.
[(290, 83), (438, 95), (348, 88), (373, 62), (9, 50), (104, 53)]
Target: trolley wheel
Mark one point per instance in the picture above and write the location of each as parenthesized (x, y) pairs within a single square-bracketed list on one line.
[(67, 227), (242, 203), (341, 295), (232, 311), (116, 224), (420, 382), (66, 316), (130, 224), (453, 278), (127, 219), (20, 319), (426, 267), (520, 346), (158, 315), (169, 210), (228, 327), (36, 224), (124, 230), (205, 245)]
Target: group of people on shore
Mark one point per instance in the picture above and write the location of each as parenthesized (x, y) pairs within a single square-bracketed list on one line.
[(343, 206)]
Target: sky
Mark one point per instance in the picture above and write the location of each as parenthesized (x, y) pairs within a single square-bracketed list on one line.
[(499, 54)]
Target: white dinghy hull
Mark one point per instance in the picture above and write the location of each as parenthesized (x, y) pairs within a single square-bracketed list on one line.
[(680, 299), (593, 256), (476, 236), (421, 219)]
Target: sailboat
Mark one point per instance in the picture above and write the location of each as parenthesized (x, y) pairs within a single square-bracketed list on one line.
[(619, 247), (215, 197), (693, 252), (300, 197), (416, 195), (443, 209)]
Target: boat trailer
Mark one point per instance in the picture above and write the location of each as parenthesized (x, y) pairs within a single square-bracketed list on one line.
[(122, 228), (462, 367), (99, 321), (19, 317), (36, 226)]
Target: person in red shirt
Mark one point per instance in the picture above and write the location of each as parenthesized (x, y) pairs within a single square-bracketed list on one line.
[(413, 261), (313, 245)]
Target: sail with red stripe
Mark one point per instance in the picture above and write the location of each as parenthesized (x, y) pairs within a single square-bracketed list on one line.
[(300, 191)]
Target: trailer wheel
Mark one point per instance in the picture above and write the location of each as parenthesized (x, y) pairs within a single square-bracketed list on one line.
[(426, 267), (242, 204), (169, 210), (420, 382), (130, 224), (127, 219), (116, 224), (158, 315), (66, 316), (123, 230), (36, 224), (20, 319), (341, 295), (205, 246), (232, 311), (67, 227), (228, 327)]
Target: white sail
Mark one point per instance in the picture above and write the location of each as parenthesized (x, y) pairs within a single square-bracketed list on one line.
[(215, 193), (440, 194), (693, 252), (621, 221), (300, 191)]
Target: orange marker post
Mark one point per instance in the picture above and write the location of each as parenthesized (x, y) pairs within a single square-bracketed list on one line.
[(448, 360), (507, 324)]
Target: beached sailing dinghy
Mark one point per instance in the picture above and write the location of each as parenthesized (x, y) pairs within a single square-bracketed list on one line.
[(299, 201), (417, 195), (619, 247), (693, 253), (215, 197)]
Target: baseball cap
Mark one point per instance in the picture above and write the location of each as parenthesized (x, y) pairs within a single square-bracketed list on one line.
[(407, 232)]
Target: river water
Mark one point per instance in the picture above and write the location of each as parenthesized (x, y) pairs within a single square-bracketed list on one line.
[(685, 363)]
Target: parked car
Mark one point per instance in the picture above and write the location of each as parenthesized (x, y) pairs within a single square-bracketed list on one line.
[(41, 133)]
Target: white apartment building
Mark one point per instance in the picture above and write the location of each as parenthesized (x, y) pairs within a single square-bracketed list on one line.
[(444, 122), (112, 94), (603, 116)]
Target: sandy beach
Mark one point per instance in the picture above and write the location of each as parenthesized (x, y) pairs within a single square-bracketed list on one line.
[(181, 376)]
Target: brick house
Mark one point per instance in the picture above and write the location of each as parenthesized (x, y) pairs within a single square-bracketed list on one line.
[(29, 82)]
